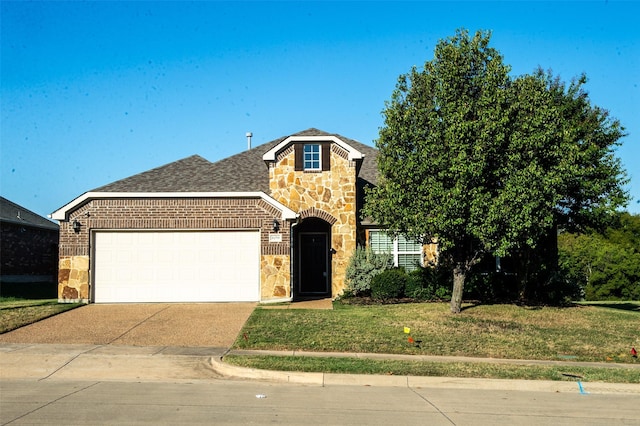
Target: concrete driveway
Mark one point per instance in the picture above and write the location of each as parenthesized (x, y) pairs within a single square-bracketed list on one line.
[(158, 324)]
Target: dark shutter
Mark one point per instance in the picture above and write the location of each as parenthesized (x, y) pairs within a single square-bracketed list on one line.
[(298, 149), (326, 156)]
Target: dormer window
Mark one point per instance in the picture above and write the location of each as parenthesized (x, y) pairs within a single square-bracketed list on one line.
[(312, 158)]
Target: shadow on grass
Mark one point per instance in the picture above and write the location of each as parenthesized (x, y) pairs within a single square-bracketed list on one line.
[(624, 306), (31, 291)]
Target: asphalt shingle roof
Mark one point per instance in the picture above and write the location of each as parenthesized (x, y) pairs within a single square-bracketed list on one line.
[(243, 172)]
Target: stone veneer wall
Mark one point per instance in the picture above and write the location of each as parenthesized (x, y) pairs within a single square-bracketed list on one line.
[(332, 192), (74, 277), (430, 254), (275, 271)]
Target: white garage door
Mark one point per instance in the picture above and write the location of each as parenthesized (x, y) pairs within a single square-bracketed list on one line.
[(220, 266)]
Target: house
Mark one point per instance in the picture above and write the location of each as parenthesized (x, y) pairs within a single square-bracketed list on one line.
[(28, 252), (276, 222)]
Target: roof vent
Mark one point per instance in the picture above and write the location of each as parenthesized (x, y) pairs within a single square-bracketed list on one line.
[(249, 135)]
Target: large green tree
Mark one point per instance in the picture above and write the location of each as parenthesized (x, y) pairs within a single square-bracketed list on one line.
[(484, 163)]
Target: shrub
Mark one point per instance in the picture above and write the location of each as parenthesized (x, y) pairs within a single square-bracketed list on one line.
[(389, 284), (491, 287), (363, 266), (429, 283), (558, 291)]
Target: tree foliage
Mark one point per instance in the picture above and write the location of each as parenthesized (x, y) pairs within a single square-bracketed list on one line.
[(606, 265), (486, 163)]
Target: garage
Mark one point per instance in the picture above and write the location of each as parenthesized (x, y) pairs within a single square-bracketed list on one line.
[(174, 266)]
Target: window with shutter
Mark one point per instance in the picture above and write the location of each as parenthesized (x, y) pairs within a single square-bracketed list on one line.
[(312, 156)]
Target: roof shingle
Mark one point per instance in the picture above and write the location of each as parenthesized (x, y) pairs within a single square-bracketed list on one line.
[(243, 172)]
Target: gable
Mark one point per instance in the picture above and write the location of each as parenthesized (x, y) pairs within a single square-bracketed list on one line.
[(325, 140)]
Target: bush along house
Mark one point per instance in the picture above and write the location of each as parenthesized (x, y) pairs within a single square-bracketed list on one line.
[(277, 222)]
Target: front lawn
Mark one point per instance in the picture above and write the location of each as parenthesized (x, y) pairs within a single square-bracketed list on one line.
[(580, 333), (15, 313)]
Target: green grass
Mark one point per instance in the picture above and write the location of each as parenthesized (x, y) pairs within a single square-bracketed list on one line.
[(16, 313), (600, 332), (435, 369), (580, 333)]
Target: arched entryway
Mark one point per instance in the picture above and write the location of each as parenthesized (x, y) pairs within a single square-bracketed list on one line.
[(312, 259)]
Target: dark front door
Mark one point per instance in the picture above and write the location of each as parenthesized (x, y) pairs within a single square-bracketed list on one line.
[(313, 270)]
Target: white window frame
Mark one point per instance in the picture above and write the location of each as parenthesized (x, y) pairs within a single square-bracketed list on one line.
[(307, 163), (396, 252)]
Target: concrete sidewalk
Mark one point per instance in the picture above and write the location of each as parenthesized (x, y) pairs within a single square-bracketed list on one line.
[(188, 364), (106, 362)]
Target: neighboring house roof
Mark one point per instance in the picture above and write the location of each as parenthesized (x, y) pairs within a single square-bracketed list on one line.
[(11, 212), (243, 172)]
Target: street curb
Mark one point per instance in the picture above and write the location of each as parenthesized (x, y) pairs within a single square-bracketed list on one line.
[(331, 379), (235, 372)]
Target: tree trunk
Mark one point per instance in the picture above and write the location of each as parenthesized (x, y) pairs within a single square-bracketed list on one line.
[(522, 276), (459, 276)]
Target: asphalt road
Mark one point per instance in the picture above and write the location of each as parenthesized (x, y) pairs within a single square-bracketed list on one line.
[(239, 403)]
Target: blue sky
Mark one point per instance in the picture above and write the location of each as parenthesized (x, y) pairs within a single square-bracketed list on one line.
[(92, 92)]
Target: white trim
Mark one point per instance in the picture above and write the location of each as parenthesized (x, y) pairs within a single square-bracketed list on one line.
[(354, 154), (62, 213)]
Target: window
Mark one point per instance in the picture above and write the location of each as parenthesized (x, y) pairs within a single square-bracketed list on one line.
[(407, 254), (311, 159)]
